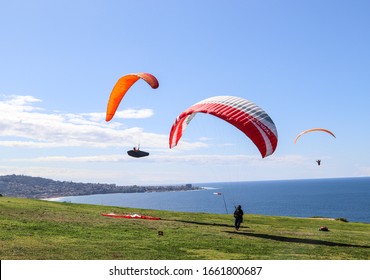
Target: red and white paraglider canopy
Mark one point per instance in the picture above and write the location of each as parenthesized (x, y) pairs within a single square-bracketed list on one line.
[(243, 114)]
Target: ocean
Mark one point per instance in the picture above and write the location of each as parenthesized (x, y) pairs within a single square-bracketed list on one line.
[(347, 198)]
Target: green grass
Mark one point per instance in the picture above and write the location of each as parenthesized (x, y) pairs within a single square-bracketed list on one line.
[(38, 230)]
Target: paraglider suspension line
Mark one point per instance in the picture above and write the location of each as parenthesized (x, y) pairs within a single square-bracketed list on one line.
[(223, 197)]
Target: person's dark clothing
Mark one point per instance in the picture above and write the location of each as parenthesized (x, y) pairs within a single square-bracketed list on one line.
[(238, 215)]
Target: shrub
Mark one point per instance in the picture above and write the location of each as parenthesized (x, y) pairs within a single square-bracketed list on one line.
[(342, 220)]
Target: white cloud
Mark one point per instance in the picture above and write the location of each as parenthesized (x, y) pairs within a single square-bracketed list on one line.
[(363, 171), (82, 174), (122, 114), (24, 125), (164, 156), (77, 159), (134, 114), (20, 102)]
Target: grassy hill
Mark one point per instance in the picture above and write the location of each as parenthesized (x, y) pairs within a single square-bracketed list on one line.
[(35, 230)]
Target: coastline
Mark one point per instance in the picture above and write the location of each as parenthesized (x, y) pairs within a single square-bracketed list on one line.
[(43, 188), (319, 199)]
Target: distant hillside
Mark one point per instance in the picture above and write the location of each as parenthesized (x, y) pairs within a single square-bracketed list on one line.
[(37, 187)]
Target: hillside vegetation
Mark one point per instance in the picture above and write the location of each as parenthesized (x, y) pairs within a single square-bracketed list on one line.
[(35, 230), (38, 187)]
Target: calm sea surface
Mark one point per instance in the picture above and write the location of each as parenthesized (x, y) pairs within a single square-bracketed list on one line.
[(347, 198)]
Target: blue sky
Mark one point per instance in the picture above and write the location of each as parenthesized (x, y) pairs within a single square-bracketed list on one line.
[(306, 63)]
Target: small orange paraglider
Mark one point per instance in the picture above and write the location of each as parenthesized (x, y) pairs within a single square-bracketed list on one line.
[(312, 130)]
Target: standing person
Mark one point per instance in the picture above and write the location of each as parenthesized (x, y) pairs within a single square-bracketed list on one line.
[(238, 215)]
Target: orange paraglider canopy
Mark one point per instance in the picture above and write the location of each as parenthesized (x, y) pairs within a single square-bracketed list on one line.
[(311, 130), (122, 86)]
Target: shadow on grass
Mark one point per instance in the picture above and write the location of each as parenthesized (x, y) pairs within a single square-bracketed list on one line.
[(207, 224), (296, 240), (274, 237)]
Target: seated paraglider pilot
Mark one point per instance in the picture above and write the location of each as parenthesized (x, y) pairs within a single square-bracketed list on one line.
[(318, 161)]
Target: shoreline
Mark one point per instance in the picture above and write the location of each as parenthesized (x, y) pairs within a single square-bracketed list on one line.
[(42, 188), (160, 191)]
